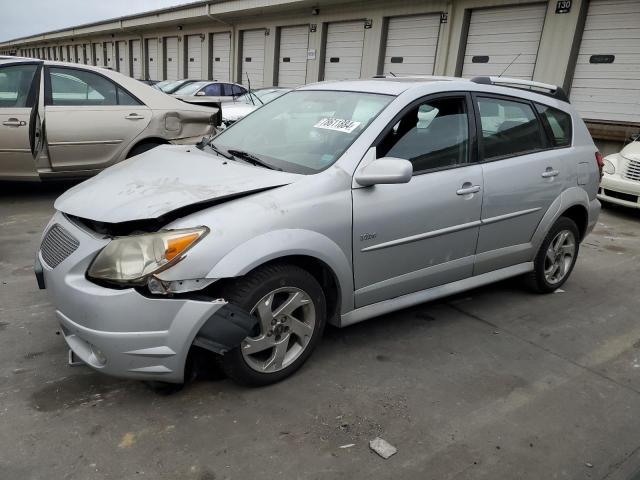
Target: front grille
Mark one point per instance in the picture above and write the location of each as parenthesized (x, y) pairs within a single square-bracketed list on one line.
[(622, 196), (632, 170), (57, 245)]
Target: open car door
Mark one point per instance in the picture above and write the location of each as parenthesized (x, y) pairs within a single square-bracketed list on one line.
[(20, 129)]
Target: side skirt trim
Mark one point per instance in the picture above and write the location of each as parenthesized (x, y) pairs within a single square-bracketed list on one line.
[(411, 299)]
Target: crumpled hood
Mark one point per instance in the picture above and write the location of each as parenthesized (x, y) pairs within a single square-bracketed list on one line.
[(162, 180)]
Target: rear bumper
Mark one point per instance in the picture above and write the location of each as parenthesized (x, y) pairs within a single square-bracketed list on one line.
[(618, 190)]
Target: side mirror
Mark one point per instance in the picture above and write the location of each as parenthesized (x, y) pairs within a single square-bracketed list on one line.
[(200, 94), (383, 171)]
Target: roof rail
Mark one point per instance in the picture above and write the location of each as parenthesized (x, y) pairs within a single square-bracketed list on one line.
[(547, 89)]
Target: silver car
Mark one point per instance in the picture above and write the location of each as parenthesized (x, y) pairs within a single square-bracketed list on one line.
[(336, 202), (63, 120)]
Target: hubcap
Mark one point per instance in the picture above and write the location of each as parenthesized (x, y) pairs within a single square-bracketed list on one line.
[(286, 321), (559, 257)]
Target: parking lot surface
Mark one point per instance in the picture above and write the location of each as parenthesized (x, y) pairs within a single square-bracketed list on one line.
[(497, 383)]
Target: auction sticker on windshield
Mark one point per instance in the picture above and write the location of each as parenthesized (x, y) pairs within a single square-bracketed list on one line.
[(337, 124)]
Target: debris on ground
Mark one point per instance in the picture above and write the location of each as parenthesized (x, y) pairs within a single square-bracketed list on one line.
[(589, 465), (348, 445), (382, 447)]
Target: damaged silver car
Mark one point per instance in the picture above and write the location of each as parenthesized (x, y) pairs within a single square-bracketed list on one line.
[(335, 203)]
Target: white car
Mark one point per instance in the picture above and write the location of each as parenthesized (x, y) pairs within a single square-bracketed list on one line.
[(621, 181), (247, 103)]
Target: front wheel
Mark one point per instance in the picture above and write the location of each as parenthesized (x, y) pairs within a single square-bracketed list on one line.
[(556, 257), (290, 309)]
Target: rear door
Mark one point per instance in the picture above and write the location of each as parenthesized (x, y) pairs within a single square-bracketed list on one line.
[(89, 120), (19, 125), (523, 174)]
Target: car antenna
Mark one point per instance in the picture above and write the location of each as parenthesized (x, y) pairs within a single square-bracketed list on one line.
[(503, 72)]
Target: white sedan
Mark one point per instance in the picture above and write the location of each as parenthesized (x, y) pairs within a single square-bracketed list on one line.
[(621, 181)]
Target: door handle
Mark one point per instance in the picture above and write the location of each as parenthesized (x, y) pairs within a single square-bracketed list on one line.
[(14, 122), (550, 173), (134, 116), (468, 189)]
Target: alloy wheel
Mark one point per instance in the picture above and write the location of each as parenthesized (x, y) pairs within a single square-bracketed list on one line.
[(559, 257)]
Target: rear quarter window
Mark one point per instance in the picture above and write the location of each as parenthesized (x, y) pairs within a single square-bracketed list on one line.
[(557, 124)]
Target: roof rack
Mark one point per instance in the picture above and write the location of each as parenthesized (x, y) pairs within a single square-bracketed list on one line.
[(547, 89)]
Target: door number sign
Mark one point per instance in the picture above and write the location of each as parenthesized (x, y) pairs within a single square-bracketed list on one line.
[(563, 6)]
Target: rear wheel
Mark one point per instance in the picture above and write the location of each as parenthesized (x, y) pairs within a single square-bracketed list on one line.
[(556, 257), (290, 309)]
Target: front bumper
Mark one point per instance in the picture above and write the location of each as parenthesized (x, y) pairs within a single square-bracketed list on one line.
[(121, 332), (618, 190)]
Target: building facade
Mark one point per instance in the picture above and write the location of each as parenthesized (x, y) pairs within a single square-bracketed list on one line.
[(590, 47)]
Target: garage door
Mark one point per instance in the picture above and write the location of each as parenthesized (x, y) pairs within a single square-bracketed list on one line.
[(343, 52), (153, 63), (220, 55), (253, 42), (194, 57), (292, 62), (499, 36), (136, 59), (86, 54), (606, 81), (171, 59), (63, 53), (110, 55), (123, 58), (411, 45)]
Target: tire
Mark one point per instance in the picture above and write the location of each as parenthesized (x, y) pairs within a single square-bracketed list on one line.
[(545, 278), (298, 335), (142, 147)]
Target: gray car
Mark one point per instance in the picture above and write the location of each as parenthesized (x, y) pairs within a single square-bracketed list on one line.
[(66, 120), (337, 202)]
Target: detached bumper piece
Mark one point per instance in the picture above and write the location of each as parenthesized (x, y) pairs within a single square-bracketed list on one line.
[(226, 328), (38, 270)]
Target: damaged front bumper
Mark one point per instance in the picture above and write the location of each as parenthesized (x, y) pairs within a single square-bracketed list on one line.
[(124, 333)]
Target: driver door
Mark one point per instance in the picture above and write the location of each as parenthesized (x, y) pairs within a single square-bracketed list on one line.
[(20, 136), (413, 236)]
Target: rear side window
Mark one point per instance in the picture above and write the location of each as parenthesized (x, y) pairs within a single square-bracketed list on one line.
[(71, 87), (557, 124), (213, 90), (15, 85), (509, 128)]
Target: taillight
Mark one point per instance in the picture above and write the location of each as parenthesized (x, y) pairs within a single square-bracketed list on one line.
[(600, 162)]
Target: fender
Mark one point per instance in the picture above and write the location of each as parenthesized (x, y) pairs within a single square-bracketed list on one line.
[(282, 243), (568, 198)]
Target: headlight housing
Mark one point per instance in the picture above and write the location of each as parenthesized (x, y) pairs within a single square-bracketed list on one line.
[(132, 259), (609, 168)]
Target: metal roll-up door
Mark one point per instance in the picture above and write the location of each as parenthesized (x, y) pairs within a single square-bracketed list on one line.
[(152, 60), (411, 45), (606, 80), (499, 36), (220, 56), (343, 50), (98, 54), (136, 59), (292, 60), (171, 59), (194, 57), (253, 45), (123, 58), (63, 53), (110, 55)]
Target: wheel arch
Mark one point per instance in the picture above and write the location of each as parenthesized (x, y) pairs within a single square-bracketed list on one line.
[(140, 141)]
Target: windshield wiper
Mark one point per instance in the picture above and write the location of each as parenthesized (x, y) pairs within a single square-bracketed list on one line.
[(252, 159), (220, 152)]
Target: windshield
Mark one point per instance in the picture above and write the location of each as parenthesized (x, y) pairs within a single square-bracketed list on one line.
[(304, 131), (190, 89), (168, 85)]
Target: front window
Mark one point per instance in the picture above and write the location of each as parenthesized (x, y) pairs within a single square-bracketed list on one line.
[(303, 131)]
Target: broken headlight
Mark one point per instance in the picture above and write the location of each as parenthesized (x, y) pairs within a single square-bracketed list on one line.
[(131, 259)]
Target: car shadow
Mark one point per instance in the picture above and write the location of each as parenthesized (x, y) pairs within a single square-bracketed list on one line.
[(31, 189), (621, 212)]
